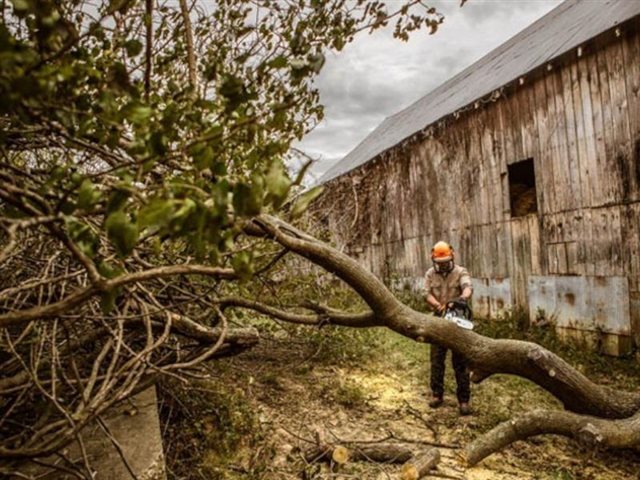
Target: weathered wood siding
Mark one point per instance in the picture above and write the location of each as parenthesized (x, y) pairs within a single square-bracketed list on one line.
[(579, 119)]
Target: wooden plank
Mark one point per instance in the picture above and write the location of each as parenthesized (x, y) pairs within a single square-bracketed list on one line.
[(580, 132), (495, 139), (621, 148), (601, 255), (557, 144), (632, 240), (535, 245), (565, 82), (488, 166), (631, 65), (544, 165), (507, 116), (611, 181), (505, 207), (574, 238), (573, 266), (614, 241), (589, 161), (627, 246), (527, 122), (588, 244), (601, 194), (521, 260)]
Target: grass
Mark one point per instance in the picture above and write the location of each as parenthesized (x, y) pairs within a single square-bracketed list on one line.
[(207, 425), (214, 429)]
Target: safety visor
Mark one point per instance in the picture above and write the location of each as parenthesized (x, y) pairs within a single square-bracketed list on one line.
[(444, 264)]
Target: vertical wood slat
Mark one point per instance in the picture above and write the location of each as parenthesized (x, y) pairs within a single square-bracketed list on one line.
[(631, 53), (565, 83), (535, 245), (545, 161), (610, 181), (610, 82), (601, 192), (621, 143), (556, 150)]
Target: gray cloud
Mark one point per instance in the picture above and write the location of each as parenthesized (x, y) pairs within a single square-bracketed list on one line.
[(377, 76)]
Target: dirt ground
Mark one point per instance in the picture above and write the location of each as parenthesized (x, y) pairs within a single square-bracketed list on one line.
[(293, 389)]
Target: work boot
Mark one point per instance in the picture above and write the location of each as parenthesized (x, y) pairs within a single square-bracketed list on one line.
[(465, 409), (435, 402)]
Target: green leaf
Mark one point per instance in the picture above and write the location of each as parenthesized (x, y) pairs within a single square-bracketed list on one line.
[(279, 62), (203, 155), (133, 47), (122, 232), (20, 5), (247, 199), (278, 183), (82, 235), (137, 113), (242, 265), (108, 300), (109, 270), (316, 61), (88, 195), (157, 213), (119, 6), (302, 202), (118, 199)]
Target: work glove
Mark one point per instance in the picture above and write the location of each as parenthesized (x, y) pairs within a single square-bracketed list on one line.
[(461, 300)]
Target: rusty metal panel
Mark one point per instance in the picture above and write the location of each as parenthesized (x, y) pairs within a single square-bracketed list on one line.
[(481, 297), (500, 298), (491, 296), (582, 302)]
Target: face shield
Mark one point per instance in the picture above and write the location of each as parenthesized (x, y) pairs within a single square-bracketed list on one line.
[(443, 265)]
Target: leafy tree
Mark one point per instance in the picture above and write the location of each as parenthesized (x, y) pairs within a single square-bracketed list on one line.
[(142, 151), (137, 139)]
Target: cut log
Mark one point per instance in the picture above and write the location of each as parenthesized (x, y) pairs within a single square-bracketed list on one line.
[(420, 465), (374, 452)]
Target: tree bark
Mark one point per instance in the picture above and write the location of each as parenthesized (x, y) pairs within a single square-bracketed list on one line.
[(419, 466), (374, 452), (589, 431), (485, 356)]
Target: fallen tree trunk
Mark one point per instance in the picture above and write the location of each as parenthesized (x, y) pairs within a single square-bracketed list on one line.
[(419, 466), (485, 356)]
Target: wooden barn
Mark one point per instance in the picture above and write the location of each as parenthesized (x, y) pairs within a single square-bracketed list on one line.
[(528, 163)]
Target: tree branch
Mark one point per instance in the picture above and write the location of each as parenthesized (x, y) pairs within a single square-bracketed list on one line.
[(331, 316), (589, 431), (486, 356)]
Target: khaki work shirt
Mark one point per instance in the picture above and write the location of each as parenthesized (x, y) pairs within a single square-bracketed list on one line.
[(446, 287)]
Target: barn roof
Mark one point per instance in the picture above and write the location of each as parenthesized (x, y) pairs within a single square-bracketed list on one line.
[(564, 28)]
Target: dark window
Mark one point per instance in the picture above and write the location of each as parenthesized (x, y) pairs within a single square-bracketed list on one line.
[(522, 188)]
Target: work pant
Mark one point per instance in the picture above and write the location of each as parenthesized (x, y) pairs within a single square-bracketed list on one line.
[(438, 357)]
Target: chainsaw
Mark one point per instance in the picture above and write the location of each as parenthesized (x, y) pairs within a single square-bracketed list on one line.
[(459, 313)]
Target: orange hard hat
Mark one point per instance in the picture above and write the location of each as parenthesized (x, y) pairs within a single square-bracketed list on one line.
[(442, 252)]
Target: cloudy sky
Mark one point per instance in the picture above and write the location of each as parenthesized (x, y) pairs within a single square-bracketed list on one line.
[(376, 75)]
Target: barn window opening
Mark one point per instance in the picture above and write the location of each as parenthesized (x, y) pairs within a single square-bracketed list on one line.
[(522, 188)]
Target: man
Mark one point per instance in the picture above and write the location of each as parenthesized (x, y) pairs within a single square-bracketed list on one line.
[(445, 282)]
